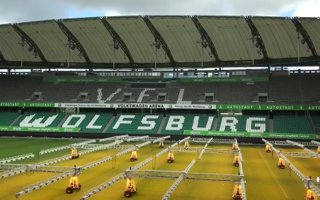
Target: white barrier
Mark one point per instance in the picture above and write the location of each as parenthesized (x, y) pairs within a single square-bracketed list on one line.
[(204, 148), (55, 149), (16, 158), (131, 139), (161, 139), (118, 137)]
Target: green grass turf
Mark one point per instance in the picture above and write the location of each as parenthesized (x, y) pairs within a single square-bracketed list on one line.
[(91, 177), (264, 179), (16, 146), (308, 166)]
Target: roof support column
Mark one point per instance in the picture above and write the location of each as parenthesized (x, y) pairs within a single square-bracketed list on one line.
[(117, 40)]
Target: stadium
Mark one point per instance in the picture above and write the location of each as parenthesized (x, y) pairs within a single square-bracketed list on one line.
[(160, 107)]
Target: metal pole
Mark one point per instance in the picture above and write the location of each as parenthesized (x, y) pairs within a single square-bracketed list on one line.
[(201, 56), (156, 57), (22, 53), (68, 63), (252, 49), (114, 58), (298, 47)]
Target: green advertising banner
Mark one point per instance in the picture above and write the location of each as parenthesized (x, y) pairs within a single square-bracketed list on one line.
[(27, 104), (37, 129), (253, 135), (268, 107), (160, 105)]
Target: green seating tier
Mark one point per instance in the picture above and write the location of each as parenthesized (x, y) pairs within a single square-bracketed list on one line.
[(291, 124), (7, 118)]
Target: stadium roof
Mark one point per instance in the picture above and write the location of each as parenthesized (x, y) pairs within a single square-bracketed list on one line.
[(161, 41)]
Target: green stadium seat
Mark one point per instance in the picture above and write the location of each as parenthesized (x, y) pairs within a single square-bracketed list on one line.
[(291, 124), (7, 118), (87, 122)]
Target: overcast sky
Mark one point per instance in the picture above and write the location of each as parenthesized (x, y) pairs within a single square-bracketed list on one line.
[(12, 11)]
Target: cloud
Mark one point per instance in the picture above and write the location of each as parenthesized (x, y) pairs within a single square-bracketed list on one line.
[(13, 11), (21, 10), (308, 9)]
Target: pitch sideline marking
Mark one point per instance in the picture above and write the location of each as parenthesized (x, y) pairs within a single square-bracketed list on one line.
[(274, 176)]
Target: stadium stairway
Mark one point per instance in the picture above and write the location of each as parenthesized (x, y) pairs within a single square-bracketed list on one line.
[(163, 121)]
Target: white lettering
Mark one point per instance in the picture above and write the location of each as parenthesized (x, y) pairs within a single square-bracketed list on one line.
[(253, 127), (123, 119), (195, 125), (228, 122), (92, 125), (150, 124), (76, 124), (175, 123), (38, 122)]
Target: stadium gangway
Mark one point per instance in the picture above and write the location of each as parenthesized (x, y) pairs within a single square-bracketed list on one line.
[(307, 182), (118, 137), (311, 153), (174, 186), (55, 149), (53, 161), (16, 158), (161, 139), (204, 148), (68, 172), (115, 179), (132, 138)]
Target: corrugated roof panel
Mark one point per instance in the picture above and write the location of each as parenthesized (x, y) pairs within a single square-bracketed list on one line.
[(280, 38), (231, 37), (52, 42), (11, 46), (96, 40), (312, 26), (139, 39), (183, 39)]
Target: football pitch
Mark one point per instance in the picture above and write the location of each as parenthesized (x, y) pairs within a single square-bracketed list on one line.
[(264, 180)]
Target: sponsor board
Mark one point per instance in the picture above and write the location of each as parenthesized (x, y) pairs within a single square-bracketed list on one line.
[(163, 106), (27, 104), (38, 129), (252, 135), (268, 107), (135, 105)]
